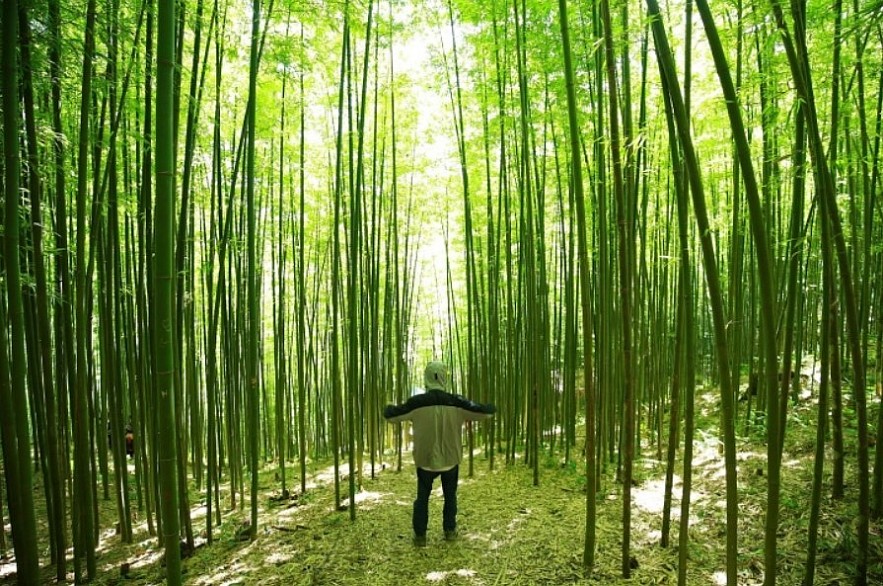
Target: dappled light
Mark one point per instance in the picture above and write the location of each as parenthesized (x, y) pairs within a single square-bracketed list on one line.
[(649, 496), (442, 576), (366, 499), (227, 575)]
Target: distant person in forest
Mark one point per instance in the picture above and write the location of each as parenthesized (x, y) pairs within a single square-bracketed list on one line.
[(437, 418)]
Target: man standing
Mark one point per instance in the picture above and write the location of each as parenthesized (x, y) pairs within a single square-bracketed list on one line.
[(437, 418)]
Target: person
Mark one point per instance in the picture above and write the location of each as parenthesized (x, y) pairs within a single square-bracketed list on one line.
[(437, 417)]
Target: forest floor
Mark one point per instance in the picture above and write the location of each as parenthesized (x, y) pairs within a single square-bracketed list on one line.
[(511, 532)]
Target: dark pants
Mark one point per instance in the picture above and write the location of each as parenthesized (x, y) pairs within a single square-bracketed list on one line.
[(421, 505)]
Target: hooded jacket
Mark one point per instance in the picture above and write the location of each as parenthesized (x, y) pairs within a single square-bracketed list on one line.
[(437, 418)]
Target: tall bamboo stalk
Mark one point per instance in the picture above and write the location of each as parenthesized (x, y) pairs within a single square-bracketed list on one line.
[(767, 285), (334, 365), (253, 309), (712, 277), (15, 426), (302, 301), (585, 291), (83, 523), (625, 285), (54, 477), (164, 273), (354, 301), (799, 63)]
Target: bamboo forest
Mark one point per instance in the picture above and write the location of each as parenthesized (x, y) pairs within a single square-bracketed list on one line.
[(625, 257)]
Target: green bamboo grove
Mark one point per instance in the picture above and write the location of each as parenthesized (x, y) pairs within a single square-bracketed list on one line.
[(233, 232)]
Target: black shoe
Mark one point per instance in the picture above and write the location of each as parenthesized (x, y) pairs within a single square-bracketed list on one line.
[(451, 535), (419, 541)]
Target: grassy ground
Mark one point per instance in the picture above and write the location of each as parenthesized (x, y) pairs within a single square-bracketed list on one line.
[(514, 533)]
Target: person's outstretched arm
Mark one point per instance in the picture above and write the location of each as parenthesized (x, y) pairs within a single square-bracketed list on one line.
[(473, 411), (397, 413)]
